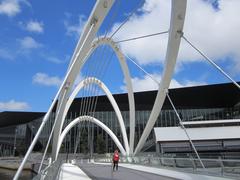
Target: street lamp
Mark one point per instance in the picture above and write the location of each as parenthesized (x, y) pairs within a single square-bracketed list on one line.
[(15, 139), (32, 128)]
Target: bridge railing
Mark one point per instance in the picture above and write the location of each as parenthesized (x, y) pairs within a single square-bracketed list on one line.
[(50, 171), (216, 167)]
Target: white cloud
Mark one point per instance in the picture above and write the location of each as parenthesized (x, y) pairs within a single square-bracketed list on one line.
[(28, 43), (10, 7), (5, 54), (144, 84), (185, 83), (74, 29), (13, 105), (147, 84), (46, 80), (35, 26), (54, 59), (215, 32)]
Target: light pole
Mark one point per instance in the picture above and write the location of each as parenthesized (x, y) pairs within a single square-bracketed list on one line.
[(32, 128), (14, 143)]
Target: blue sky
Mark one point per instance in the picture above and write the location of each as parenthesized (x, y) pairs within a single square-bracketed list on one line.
[(37, 39)]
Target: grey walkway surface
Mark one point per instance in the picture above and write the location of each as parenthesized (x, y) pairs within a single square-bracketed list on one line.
[(104, 172)]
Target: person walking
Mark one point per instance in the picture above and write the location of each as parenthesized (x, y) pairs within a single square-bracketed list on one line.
[(115, 159)]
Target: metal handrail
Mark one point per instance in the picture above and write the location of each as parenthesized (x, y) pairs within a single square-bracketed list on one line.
[(216, 167)]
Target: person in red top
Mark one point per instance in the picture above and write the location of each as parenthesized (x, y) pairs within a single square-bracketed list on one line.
[(115, 159)]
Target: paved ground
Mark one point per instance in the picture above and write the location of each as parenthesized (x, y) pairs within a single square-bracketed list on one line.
[(69, 171), (104, 172)]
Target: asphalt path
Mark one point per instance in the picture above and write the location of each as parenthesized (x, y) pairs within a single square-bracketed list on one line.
[(104, 172)]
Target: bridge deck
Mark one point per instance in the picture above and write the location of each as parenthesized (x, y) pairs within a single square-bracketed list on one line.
[(104, 172), (139, 172), (71, 172)]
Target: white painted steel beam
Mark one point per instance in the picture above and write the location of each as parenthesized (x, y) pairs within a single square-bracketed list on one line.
[(176, 27), (96, 18), (127, 77), (97, 122), (92, 80)]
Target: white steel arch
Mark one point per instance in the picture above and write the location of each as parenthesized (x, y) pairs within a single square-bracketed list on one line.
[(96, 18), (127, 76), (96, 43), (94, 22), (175, 33), (91, 80), (93, 120)]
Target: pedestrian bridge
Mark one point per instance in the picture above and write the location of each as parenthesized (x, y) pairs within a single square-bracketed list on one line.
[(90, 48), (142, 167), (103, 171)]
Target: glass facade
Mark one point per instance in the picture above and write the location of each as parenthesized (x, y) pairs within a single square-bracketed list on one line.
[(202, 103), (88, 138), (97, 138)]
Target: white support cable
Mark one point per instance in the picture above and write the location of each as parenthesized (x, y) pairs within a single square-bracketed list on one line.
[(141, 37), (101, 74), (98, 72), (84, 96), (90, 100), (113, 17), (185, 130), (124, 67), (128, 17), (67, 77), (211, 62), (77, 139), (86, 90), (96, 18), (180, 121), (91, 88), (142, 69), (49, 139)]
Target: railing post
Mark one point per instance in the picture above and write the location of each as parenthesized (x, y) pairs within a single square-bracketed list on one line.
[(174, 163), (193, 163), (222, 165)]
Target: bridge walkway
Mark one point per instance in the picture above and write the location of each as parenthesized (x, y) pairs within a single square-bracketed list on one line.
[(103, 171)]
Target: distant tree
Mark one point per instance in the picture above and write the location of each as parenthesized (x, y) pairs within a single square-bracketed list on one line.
[(101, 145), (84, 142)]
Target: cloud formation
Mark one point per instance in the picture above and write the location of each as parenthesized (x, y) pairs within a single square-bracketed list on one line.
[(10, 7), (213, 30), (13, 105), (74, 29), (28, 43), (46, 80), (5, 54), (146, 83), (35, 26), (54, 59)]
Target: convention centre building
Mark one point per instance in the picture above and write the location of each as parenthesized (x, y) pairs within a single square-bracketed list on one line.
[(205, 110)]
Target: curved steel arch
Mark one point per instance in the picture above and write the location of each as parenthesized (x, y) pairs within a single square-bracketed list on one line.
[(122, 60), (91, 80), (96, 121), (96, 43), (84, 45), (95, 19), (175, 33)]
